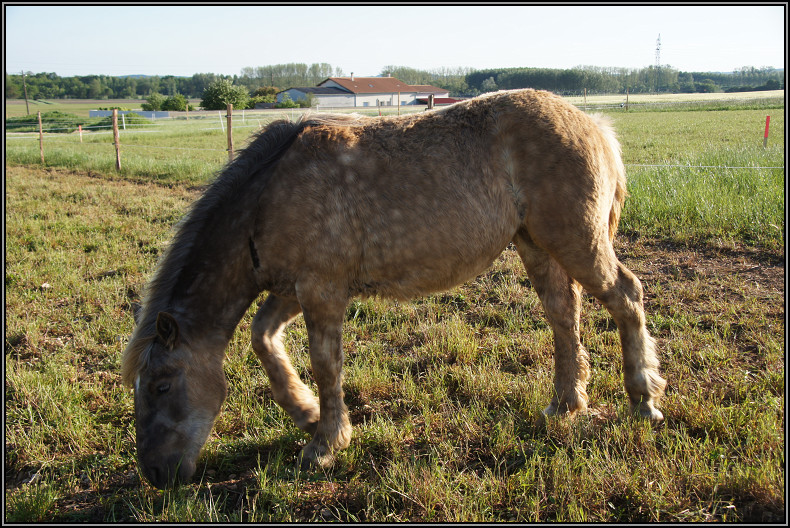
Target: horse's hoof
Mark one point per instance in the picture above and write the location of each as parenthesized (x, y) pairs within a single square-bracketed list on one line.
[(551, 410), (316, 456), (648, 412), (558, 410)]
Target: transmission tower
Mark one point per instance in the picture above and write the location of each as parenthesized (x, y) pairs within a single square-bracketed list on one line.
[(658, 52), (658, 62)]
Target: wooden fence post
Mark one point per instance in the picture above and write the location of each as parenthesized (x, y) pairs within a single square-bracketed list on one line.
[(116, 139), (230, 132), (41, 138)]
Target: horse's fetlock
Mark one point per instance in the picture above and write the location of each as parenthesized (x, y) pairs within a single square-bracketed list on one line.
[(308, 422), (306, 414)]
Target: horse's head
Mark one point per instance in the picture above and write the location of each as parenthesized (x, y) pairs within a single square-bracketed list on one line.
[(178, 392)]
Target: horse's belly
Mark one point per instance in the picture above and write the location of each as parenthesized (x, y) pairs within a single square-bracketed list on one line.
[(404, 279), (428, 256)]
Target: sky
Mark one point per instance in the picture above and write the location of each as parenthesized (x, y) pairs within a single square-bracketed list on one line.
[(187, 39)]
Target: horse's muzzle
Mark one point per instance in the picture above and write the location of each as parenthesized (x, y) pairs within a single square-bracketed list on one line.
[(167, 472)]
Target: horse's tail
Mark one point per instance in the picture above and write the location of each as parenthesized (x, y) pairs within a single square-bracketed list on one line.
[(615, 168), (620, 193)]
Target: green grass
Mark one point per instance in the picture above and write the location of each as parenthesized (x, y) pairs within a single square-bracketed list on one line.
[(704, 177), (445, 392), (80, 107)]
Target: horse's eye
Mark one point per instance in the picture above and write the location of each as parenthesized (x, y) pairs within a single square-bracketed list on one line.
[(163, 388)]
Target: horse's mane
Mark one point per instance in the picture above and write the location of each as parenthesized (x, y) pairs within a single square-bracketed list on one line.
[(255, 161)]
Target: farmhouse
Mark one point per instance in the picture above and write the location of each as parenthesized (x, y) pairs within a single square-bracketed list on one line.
[(367, 91)]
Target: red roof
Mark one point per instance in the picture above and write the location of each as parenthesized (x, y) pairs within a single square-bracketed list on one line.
[(379, 85), (427, 88)]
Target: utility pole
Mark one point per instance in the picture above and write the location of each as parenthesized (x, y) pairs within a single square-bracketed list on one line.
[(24, 83)]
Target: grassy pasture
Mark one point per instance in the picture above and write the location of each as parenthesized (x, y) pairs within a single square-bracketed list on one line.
[(445, 392), (657, 99), (79, 107)]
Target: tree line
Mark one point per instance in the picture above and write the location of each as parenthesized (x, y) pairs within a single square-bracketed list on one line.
[(262, 82), (593, 79)]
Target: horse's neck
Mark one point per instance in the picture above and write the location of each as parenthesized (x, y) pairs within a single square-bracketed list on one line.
[(219, 287)]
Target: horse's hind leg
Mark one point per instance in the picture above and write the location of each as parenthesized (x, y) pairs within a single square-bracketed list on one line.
[(587, 255), (288, 390), (622, 295), (560, 296)]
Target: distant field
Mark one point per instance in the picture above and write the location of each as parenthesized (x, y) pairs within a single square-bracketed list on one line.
[(81, 107), (675, 98)]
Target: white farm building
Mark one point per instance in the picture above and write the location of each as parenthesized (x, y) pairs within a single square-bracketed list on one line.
[(367, 92)]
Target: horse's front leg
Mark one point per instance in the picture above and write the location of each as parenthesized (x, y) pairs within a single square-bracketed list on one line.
[(323, 314), (288, 390)]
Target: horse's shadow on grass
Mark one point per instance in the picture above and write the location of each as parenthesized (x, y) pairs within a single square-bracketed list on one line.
[(243, 459), (249, 474)]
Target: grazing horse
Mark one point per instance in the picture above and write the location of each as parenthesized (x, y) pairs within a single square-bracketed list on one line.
[(330, 207)]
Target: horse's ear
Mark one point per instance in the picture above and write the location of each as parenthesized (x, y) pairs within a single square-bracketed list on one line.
[(166, 329)]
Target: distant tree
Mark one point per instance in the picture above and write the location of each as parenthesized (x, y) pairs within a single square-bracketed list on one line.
[(94, 88), (489, 85), (286, 102), (263, 94), (13, 87), (222, 93), (176, 103), (686, 81), (309, 101), (772, 84), (155, 102), (265, 91), (707, 86)]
